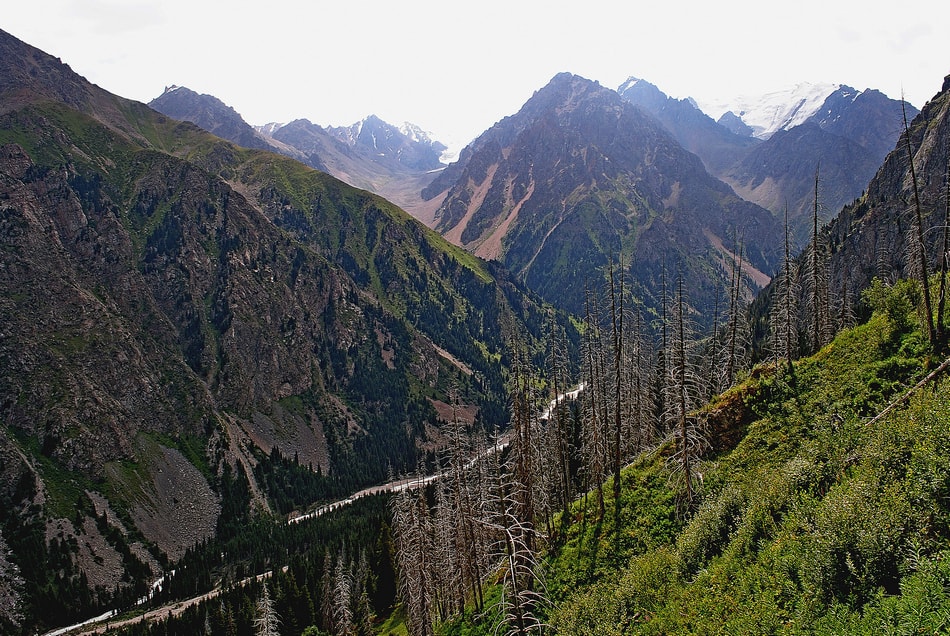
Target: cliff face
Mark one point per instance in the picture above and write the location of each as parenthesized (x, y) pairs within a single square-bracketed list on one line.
[(870, 238)]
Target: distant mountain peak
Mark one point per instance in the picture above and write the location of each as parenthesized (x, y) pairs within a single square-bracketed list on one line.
[(580, 174), (776, 110), (630, 82)]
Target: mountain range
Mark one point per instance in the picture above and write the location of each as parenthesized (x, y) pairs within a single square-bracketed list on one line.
[(580, 178), (772, 150), (871, 237), (371, 154), (785, 141)]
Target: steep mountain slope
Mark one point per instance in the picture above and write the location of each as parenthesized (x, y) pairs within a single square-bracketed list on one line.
[(371, 154), (869, 118), (409, 146), (210, 113), (828, 510), (175, 307), (718, 146), (766, 114), (579, 178), (380, 159), (782, 169), (871, 238), (842, 133), (818, 521), (846, 140)]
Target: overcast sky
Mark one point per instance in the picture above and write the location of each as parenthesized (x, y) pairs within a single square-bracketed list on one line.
[(457, 68)]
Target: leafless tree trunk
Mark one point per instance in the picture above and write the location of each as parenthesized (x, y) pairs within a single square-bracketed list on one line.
[(522, 584), (737, 333), (944, 258), (684, 397), (616, 319), (593, 440), (917, 240), (558, 420), (342, 597), (782, 323), (413, 552)]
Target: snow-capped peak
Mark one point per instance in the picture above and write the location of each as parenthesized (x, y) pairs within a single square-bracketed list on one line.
[(269, 129), (777, 110), (415, 133), (629, 83)]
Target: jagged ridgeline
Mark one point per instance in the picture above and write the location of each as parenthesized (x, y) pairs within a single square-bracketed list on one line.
[(175, 308), (579, 179)]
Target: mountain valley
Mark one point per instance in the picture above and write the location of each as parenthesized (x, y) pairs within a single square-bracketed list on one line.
[(649, 396)]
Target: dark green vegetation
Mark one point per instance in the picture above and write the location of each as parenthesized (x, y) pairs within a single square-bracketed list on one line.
[(816, 521), (339, 563)]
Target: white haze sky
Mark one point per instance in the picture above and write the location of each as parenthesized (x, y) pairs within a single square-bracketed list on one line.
[(457, 68)]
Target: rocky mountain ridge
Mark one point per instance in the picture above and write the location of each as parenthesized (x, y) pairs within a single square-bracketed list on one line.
[(844, 138), (370, 154), (870, 237), (580, 178)]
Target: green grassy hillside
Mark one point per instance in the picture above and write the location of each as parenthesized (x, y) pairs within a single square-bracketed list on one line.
[(819, 520)]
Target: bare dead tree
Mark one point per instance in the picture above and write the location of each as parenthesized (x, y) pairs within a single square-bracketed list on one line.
[(684, 396), (816, 267), (447, 563), (662, 359), (917, 239), (639, 411), (558, 419), (463, 510), (520, 572), (593, 440), (782, 321), (944, 263), (524, 436), (327, 590), (413, 555), (737, 332), (266, 621), (342, 598), (616, 319)]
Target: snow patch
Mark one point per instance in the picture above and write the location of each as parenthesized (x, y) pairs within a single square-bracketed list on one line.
[(629, 83), (774, 111)]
